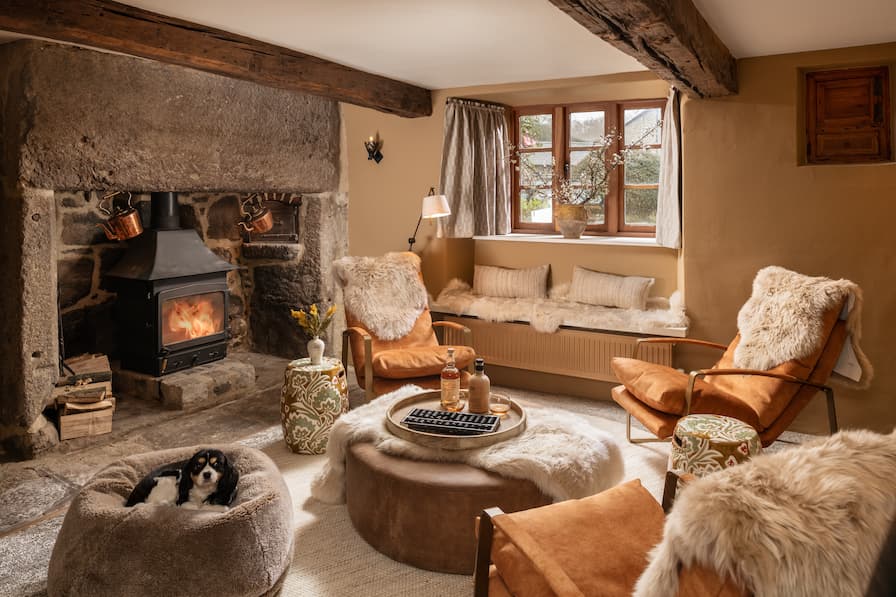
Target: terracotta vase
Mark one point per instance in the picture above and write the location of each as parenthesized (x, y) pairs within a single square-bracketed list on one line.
[(315, 350), (571, 220)]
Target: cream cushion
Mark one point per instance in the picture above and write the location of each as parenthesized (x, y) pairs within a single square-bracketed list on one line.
[(511, 283), (609, 290)]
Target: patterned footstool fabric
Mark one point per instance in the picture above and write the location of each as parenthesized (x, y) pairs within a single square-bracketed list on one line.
[(312, 398), (702, 444)]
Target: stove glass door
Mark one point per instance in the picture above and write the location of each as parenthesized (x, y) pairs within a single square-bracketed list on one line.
[(190, 317)]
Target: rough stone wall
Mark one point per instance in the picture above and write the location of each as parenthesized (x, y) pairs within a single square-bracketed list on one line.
[(84, 255), (79, 120)]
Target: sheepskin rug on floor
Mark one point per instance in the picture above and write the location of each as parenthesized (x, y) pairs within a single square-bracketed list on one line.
[(565, 456), (803, 522), (386, 293), (782, 319)]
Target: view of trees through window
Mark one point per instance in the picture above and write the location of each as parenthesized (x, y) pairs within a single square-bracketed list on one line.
[(548, 154)]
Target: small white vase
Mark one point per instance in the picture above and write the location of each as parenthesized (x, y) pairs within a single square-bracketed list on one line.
[(316, 350)]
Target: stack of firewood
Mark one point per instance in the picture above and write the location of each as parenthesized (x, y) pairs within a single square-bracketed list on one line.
[(83, 397)]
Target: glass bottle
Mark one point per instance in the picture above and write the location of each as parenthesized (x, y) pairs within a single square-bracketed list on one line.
[(480, 388), (450, 384)]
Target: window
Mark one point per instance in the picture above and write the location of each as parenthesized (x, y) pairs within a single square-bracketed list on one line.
[(555, 142)]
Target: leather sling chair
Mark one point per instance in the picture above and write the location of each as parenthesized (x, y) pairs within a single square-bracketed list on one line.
[(415, 358), (768, 400)]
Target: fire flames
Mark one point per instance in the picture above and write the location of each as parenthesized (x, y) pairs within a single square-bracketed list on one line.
[(192, 317)]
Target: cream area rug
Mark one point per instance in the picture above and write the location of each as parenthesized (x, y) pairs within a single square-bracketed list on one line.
[(331, 560)]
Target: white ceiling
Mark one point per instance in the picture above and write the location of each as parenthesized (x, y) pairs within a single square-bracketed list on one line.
[(765, 27), (471, 42)]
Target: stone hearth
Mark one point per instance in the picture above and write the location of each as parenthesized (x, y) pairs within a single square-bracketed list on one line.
[(75, 124)]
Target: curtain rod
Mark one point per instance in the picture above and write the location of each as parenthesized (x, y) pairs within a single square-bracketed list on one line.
[(475, 103)]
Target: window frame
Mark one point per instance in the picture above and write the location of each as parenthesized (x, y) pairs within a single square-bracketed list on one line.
[(614, 212)]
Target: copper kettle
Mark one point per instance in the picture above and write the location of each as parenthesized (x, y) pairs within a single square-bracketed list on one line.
[(123, 222), (256, 217)]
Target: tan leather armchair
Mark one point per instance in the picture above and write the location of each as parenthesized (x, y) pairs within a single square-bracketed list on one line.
[(768, 400), (593, 546), (415, 358)]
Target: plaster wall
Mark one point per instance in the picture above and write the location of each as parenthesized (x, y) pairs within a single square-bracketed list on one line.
[(748, 204)]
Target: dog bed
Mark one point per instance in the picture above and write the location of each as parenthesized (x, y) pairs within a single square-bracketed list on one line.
[(106, 549)]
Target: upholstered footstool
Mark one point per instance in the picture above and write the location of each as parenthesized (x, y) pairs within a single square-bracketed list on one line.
[(107, 550), (702, 444), (423, 513)]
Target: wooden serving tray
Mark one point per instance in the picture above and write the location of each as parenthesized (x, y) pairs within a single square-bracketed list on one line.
[(511, 425)]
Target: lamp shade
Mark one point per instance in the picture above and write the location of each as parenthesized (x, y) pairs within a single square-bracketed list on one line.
[(435, 206)]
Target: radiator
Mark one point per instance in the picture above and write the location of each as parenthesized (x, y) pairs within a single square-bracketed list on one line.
[(570, 352)]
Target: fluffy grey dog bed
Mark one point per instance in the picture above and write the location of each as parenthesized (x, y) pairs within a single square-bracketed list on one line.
[(105, 549)]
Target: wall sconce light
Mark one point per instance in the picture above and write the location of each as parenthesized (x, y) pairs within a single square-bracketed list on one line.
[(373, 146), (434, 206)]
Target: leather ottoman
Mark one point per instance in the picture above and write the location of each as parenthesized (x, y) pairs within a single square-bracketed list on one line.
[(423, 513)]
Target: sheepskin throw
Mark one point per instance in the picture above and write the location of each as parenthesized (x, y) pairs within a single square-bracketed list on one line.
[(802, 522), (782, 319), (384, 293), (662, 316), (564, 456)]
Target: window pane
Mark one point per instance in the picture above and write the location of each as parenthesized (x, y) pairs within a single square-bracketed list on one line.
[(640, 207), (637, 124), (536, 169), (535, 206), (535, 130), (585, 128), (586, 168), (642, 166)]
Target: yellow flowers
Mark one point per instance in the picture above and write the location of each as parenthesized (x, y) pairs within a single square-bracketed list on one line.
[(312, 322)]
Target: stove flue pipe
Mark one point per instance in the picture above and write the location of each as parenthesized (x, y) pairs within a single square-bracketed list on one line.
[(164, 212)]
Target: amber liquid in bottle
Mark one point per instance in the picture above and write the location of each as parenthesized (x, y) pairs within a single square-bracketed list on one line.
[(480, 388), (451, 385)]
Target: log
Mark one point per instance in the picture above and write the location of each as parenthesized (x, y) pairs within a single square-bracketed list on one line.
[(121, 28), (670, 37)]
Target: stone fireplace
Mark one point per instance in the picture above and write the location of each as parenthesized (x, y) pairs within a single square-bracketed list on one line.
[(76, 124)]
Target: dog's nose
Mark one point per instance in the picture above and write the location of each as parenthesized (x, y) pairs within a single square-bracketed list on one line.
[(207, 474)]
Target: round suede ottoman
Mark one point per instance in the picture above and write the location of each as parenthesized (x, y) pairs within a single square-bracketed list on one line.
[(105, 549), (423, 513)]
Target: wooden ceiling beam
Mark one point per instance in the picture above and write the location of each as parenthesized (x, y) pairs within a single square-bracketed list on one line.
[(121, 28), (670, 37)]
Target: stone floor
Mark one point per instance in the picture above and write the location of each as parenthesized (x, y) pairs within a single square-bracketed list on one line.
[(35, 494)]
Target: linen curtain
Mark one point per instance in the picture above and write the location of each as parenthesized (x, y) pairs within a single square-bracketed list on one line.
[(668, 208), (475, 176)]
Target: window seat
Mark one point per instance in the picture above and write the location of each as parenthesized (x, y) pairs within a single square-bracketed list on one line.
[(663, 317)]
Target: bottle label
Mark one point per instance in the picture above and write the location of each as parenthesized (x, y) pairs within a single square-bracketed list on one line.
[(450, 392)]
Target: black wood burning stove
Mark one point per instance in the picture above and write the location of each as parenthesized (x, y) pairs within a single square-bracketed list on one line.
[(171, 310)]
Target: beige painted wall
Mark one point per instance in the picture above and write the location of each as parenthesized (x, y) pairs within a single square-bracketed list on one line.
[(747, 204), (385, 197)]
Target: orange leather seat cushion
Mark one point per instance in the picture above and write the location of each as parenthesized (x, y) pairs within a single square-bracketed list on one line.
[(663, 388), (401, 363)]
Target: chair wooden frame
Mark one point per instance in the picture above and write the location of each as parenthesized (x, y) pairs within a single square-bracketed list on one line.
[(693, 376), (368, 350)]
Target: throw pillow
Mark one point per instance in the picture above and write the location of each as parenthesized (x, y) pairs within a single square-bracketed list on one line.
[(511, 283), (609, 290)]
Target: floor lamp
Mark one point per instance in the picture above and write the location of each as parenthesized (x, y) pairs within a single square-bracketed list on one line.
[(434, 206)]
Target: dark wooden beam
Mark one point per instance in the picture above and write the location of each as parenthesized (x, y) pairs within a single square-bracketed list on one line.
[(670, 37), (114, 26)]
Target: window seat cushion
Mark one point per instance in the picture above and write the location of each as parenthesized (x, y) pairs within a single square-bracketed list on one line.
[(662, 317)]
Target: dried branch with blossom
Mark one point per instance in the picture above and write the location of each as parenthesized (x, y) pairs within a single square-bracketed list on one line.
[(592, 177)]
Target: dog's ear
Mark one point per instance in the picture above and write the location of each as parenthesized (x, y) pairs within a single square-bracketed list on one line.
[(185, 484), (227, 485)]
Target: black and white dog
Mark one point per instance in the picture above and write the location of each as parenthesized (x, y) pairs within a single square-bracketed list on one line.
[(207, 480)]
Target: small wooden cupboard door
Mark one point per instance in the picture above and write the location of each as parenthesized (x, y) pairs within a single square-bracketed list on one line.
[(848, 116)]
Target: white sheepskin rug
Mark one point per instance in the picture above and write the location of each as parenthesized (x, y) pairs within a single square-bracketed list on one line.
[(782, 319), (808, 521), (547, 315), (563, 455), (385, 293)]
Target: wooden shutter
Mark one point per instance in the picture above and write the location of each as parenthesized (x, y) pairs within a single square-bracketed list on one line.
[(848, 115)]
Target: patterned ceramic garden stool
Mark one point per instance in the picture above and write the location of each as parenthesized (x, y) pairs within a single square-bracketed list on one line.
[(702, 444), (312, 398)]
